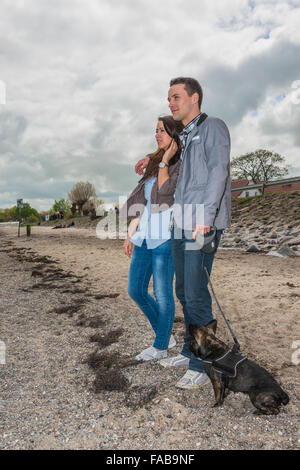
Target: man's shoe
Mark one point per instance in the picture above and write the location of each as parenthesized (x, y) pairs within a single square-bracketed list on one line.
[(151, 353), (192, 379), (172, 342), (176, 361)]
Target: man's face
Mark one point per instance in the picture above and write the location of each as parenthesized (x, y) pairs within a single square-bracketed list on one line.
[(182, 105)]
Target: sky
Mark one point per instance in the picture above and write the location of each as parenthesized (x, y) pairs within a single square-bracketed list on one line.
[(82, 85)]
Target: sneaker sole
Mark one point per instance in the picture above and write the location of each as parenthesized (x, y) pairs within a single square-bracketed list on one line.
[(150, 359), (191, 387), (172, 365)]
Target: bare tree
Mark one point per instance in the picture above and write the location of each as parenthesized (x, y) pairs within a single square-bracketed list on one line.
[(81, 193), (261, 165)]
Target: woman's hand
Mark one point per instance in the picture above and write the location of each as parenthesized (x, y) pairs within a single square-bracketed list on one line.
[(128, 247), (170, 152)]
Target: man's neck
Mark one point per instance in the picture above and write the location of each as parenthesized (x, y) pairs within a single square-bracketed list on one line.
[(190, 117)]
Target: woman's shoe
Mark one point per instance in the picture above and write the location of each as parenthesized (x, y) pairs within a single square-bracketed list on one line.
[(151, 353)]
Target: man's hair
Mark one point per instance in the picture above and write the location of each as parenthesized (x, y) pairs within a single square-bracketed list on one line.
[(191, 85)]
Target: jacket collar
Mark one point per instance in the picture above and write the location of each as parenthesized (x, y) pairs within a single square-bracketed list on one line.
[(192, 134)]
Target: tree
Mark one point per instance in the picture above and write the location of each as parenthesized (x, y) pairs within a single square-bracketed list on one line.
[(90, 207), (28, 213), (261, 165), (62, 206), (81, 193)]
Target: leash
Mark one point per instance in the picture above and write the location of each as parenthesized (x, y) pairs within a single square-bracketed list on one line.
[(236, 346)]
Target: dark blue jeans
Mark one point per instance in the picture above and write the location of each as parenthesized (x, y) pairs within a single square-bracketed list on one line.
[(192, 287), (160, 309)]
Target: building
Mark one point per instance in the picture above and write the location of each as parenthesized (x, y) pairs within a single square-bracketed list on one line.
[(244, 192), (279, 186)]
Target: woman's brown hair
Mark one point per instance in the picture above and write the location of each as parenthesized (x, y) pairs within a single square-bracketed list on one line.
[(173, 129)]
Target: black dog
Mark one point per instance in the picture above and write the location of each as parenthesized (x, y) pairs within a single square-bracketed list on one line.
[(263, 390)]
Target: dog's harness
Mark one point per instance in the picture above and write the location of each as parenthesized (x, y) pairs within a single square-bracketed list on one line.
[(228, 363)]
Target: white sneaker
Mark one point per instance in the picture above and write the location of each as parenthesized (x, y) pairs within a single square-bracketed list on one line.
[(151, 353), (176, 361), (192, 379), (172, 342)]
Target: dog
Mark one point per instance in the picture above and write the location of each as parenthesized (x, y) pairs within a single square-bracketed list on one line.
[(263, 390)]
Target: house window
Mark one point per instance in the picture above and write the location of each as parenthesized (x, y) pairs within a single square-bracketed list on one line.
[(247, 194)]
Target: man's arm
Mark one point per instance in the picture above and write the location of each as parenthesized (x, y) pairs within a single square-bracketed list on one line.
[(217, 150)]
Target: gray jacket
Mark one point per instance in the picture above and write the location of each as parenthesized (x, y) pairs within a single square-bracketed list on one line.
[(204, 176)]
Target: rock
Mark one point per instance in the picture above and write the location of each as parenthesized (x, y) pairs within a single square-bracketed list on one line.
[(253, 249), (284, 252), (294, 241)]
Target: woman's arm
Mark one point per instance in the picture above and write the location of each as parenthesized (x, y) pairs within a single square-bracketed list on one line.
[(127, 245), (133, 227), (163, 173)]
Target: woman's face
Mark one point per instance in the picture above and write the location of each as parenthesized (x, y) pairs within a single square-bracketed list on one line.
[(162, 137)]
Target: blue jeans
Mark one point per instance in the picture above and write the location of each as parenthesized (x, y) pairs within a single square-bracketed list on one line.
[(160, 309), (192, 287)]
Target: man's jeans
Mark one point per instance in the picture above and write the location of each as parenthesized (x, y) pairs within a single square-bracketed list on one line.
[(192, 286), (160, 310)]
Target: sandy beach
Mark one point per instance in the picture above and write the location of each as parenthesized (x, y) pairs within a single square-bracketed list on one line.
[(71, 333)]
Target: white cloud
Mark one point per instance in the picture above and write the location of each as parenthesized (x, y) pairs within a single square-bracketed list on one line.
[(85, 83)]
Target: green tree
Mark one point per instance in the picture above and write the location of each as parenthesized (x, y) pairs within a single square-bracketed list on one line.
[(62, 206), (261, 165), (28, 213)]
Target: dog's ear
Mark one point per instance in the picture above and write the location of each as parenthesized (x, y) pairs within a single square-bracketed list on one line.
[(212, 325)]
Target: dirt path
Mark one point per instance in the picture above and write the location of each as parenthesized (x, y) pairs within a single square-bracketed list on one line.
[(71, 333)]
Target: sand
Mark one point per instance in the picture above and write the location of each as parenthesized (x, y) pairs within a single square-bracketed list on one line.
[(71, 333)]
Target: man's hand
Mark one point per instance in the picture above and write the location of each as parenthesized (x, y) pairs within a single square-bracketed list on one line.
[(141, 165), (202, 229)]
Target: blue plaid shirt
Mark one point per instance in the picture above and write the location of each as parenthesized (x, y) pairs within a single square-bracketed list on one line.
[(185, 132)]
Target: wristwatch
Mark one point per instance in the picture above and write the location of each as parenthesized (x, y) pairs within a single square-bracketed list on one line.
[(162, 165)]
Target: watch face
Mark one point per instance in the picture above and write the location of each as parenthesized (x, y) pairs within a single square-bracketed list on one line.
[(162, 165)]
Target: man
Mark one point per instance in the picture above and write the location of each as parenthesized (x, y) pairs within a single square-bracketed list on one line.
[(203, 181)]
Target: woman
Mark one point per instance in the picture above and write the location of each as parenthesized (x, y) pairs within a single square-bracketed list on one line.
[(149, 207)]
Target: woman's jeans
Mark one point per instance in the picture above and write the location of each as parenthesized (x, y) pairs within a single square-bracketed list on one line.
[(192, 286), (159, 310)]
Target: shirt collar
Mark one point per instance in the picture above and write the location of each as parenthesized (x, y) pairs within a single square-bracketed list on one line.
[(190, 126)]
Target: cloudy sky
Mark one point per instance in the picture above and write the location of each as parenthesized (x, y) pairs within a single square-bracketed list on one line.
[(85, 82)]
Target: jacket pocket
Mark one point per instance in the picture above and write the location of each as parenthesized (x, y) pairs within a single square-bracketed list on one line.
[(198, 168)]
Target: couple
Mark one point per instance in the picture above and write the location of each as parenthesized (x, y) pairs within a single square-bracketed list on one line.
[(190, 168)]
